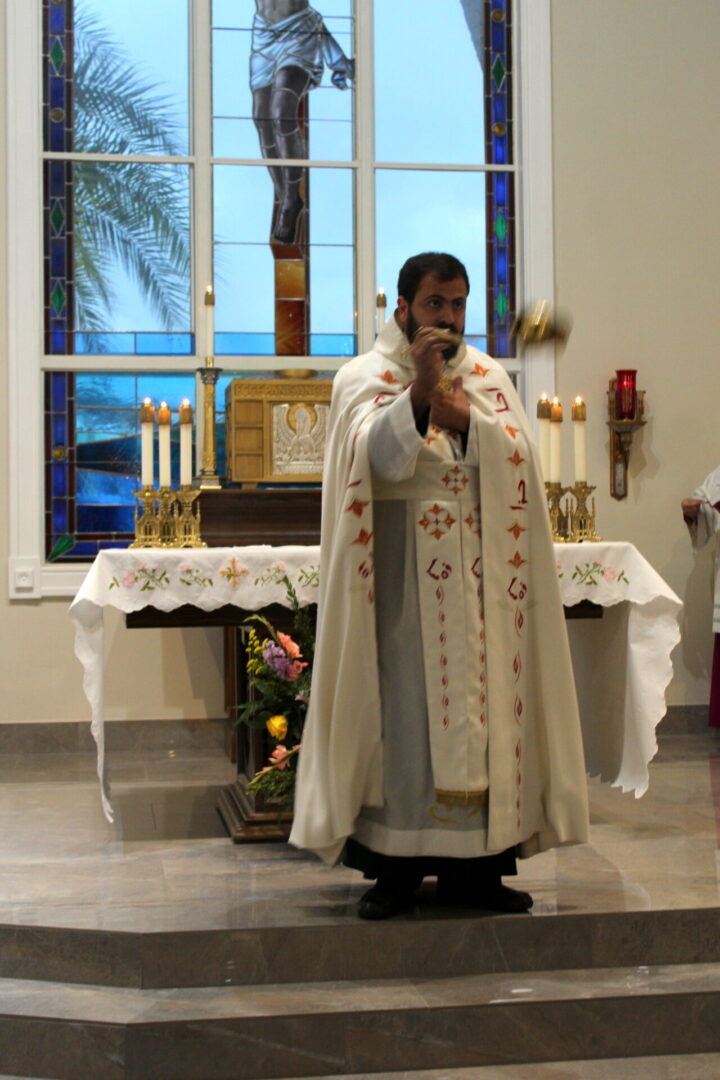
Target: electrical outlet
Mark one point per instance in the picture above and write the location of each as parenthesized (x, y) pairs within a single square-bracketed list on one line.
[(24, 578)]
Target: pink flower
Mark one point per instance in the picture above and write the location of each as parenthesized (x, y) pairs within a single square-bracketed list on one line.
[(281, 567), (558, 564), (279, 757), (129, 579), (185, 569), (291, 647), (609, 573)]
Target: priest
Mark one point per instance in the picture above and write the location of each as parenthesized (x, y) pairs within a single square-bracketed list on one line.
[(442, 737), (701, 512)]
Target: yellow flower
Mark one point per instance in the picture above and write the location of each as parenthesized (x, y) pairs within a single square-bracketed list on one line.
[(277, 726)]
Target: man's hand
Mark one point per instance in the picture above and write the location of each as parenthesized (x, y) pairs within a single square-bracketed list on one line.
[(427, 353), (691, 509), (450, 409)]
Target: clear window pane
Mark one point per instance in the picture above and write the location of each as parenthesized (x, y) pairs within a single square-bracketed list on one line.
[(429, 93), (433, 211), (130, 78)]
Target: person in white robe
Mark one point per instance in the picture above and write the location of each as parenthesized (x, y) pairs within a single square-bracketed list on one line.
[(442, 736), (702, 517)]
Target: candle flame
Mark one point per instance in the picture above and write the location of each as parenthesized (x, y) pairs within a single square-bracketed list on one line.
[(185, 401), (556, 401), (578, 400), (543, 396), (147, 401)]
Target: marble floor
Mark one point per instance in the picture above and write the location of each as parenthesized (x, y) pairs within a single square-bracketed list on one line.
[(166, 867), (166, 863)]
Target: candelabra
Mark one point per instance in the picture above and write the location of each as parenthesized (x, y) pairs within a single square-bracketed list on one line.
[(575, 523), (167, 518)]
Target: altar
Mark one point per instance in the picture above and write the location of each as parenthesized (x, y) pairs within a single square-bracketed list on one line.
[(622, 661)]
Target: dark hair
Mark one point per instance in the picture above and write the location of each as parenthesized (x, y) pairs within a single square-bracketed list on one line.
[(441, 266)]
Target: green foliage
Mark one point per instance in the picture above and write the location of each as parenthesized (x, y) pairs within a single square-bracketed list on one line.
[(127, 212)]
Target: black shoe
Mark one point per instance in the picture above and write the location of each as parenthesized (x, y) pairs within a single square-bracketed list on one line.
[(381, 902), (498, 897)]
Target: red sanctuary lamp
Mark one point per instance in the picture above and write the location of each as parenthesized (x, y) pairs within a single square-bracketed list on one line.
[(626, 406), (625, 394)]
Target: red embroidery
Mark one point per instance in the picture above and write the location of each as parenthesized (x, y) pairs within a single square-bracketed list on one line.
[(363, 537), (517, 560), (444, 570), (437, 521), (455, 479), (389, 378), (517, 666), (357, 506), (518, 710), (479, 370), (516, 459), (519, 622), (499, 397), (354, 483), (519, 587), (516, 529), (512, 431), (473, 521), (476, 567), (366, 567)]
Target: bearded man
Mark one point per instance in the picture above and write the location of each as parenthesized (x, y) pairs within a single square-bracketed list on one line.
[(442, 737)]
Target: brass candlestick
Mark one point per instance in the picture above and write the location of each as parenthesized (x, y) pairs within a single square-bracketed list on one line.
[(187, 520), (582, 519), (558, 518), (166, 525), (147, 532), (209, 479)]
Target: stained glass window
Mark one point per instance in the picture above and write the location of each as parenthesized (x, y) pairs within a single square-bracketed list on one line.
[(142, 188)]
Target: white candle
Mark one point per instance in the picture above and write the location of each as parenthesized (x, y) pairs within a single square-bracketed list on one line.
[(543, 414), (556, 416), (164, 418), (579, 415), (147, 423), (185, 414), (209, 321), (380, 308)]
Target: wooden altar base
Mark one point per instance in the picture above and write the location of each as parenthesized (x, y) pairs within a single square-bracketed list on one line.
[(244, 822)]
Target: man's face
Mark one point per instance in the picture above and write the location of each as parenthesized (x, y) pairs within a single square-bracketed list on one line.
[(436, 303)]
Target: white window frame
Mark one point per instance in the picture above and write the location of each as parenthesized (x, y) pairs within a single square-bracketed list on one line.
[(29, 576)]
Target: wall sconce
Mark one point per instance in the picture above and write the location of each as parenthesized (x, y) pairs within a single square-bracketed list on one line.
[(626, 406)]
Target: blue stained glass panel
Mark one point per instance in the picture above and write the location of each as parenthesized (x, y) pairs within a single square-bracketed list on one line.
[(118, 519), (59, 480)]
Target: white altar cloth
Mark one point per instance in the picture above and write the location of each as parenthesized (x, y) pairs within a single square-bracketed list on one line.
[(622, 662)]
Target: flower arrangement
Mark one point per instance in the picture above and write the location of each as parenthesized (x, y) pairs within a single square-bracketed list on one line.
[(279, 670)]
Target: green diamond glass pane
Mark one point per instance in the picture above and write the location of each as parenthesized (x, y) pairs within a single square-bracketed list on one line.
[(501, 226), (57, 298), (501, 305), (498, 72), (57, 56), (57, 217)]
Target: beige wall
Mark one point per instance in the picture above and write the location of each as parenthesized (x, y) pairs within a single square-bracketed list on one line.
[(636, 158), (636, 87)]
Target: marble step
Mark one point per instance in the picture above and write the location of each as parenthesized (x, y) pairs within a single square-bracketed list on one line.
[(669, 1067), (420, 944), (328, 1029)]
